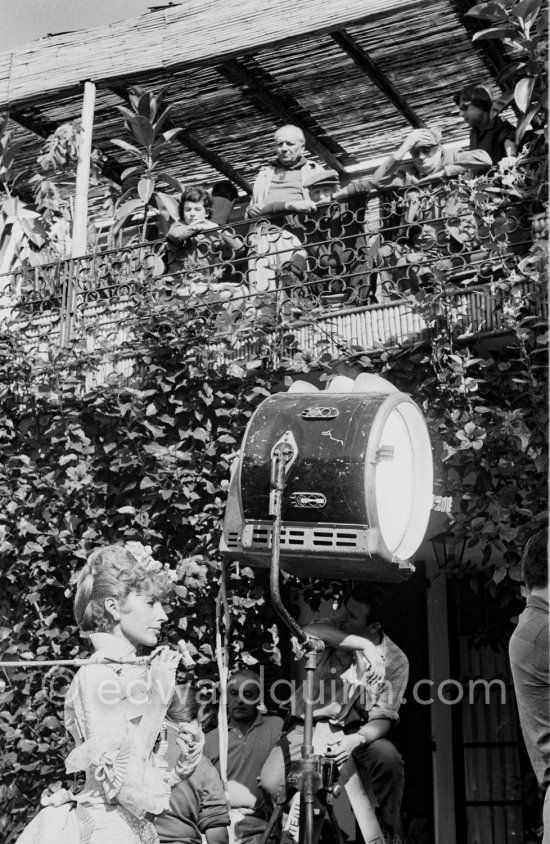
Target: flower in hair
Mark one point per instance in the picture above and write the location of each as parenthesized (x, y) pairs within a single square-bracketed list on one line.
[(144, 556)]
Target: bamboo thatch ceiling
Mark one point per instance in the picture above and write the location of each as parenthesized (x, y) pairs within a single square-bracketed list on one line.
[(357, 75)]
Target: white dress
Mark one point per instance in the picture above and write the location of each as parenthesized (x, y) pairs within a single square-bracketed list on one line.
[(115, 714)]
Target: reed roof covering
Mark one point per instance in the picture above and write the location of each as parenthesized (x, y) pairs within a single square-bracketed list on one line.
[(357, 75)]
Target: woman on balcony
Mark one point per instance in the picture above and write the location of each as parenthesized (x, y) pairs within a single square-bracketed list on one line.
[(199, 252), (115, 706)]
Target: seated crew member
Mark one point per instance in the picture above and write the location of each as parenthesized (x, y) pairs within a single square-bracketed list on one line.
[(356, 645), (418, 231), (196, 246), (252, 735), (197, 802), (279, 191), (492, 134)]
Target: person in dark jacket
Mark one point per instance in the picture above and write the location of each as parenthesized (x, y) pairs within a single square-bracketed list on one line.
[(492, 134)]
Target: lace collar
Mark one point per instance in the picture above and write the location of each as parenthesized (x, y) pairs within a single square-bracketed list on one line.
[(112, 646)]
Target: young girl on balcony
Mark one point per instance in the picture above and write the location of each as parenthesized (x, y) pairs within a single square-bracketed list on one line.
[(115, 706), (196, 246), (200, 256)]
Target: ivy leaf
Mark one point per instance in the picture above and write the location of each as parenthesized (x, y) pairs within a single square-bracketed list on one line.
[(523, 92), (145, 189), (168, 202), (128, 208), (526, 121), (147, 483), (489, 11), (201, 434), (499, 575), (498, 33), (175, 184), (126, 146), (527, 10), (171, 133), (142, 129), (130, 171), (248, 659)]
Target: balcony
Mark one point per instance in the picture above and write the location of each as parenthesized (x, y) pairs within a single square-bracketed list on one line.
[(352, 279)]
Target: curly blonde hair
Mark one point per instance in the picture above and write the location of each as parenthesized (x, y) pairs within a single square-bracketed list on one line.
[(113, 572)]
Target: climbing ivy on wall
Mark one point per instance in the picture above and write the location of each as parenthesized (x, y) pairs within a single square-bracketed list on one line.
[(150, 459)]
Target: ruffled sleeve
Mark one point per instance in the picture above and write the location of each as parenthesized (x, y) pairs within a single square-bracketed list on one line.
[(115, 724)]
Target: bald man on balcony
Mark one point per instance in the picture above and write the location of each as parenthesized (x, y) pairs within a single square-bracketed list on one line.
[(279, 192)]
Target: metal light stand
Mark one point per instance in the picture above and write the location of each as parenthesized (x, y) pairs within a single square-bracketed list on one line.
[(283, 455)]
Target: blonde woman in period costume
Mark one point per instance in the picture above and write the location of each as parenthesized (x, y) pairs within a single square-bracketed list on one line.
[(115, 706)]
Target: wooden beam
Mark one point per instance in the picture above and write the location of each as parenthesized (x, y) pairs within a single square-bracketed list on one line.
[(41, 128), (110, 167), (362, 59), (186, 139), (258, 85)]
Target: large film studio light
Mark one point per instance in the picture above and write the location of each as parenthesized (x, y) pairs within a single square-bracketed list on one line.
[(358, 489)]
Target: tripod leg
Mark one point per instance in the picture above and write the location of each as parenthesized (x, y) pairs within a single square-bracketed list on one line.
[(310, 833), (272, 823)]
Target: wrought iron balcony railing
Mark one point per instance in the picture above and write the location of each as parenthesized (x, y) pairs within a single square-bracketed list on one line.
[(352, 276)]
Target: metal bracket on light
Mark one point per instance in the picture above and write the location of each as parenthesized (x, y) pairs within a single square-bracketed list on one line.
[(285, 449)]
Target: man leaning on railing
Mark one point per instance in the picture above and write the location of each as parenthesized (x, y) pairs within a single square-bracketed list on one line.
[(280, 192), (415, 242)]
